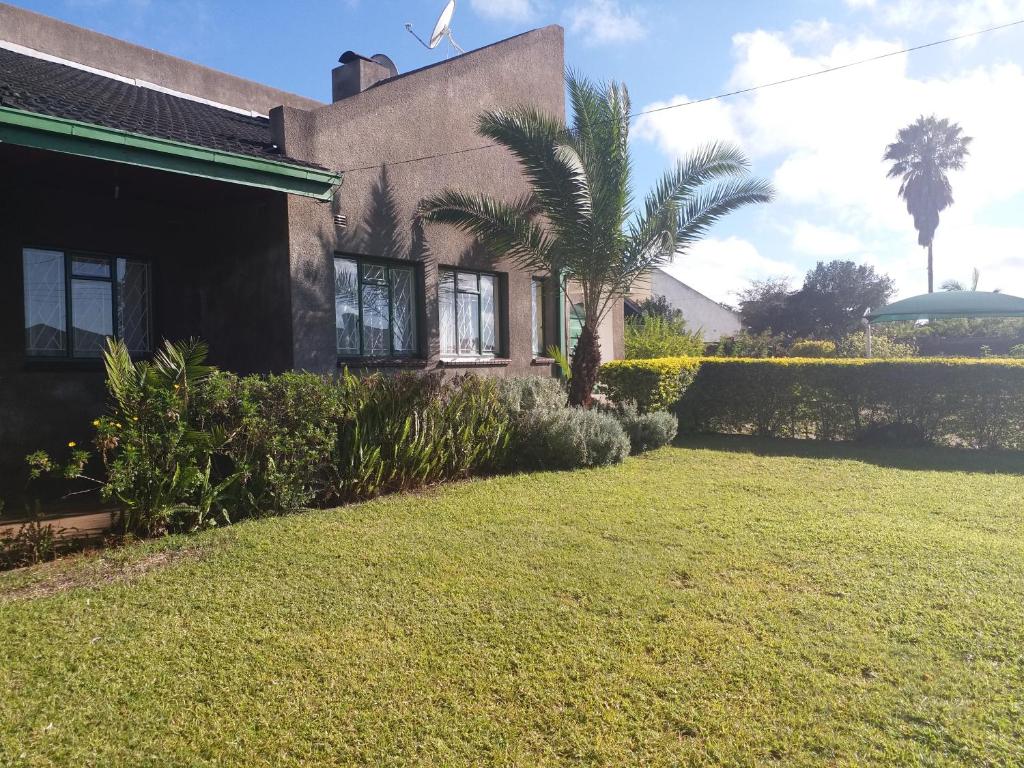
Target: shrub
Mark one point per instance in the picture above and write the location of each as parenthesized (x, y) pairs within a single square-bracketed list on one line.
[(655, 336), (812, 348), (970, 403), (651, 384), (1017, 351), (527, 394), (185, 445), (646, 431), (570, 438), (746, 344), (883, 347)]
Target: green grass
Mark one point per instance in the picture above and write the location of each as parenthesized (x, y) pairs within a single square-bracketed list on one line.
[(726, 603)]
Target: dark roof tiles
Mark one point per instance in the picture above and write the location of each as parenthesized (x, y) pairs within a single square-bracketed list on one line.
[(57, 90)]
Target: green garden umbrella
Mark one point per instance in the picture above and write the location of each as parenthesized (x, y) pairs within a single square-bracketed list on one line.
[(929, 306)]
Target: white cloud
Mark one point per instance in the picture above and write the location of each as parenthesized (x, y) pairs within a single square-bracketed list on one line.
[(600, 22), (719, 267), (824, 242), (955, 17), (822, 141), (505, 10)]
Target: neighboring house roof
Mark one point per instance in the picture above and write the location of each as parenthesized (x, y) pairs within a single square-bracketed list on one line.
[(48, 88)]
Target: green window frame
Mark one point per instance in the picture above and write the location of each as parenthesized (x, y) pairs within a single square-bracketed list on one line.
[(75, 300), (538, 292), (469, 313), (376, 308)]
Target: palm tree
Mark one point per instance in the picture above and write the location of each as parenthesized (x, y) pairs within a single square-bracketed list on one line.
[(956, 285), (921, 156), (578, 221)]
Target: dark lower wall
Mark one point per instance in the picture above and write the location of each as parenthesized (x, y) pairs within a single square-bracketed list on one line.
[(219, 263)]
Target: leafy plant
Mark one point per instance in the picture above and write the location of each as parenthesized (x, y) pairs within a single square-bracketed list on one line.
[(570, 438), (646, 431), (656, 336), (812, 348)]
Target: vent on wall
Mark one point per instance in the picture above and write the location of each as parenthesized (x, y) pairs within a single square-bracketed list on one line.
[(340, 221)]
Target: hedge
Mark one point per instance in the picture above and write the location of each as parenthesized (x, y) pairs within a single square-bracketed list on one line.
[(975, 403)]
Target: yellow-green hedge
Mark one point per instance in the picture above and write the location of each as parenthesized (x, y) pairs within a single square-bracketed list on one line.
[(977, 403)]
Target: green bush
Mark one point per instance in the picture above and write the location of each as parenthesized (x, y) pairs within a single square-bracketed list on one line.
[(653, 336), (651, 384), (812, 348), (971, 403), (185, 446), (526, 394), (883, 346), (646, 431), (570, 438)]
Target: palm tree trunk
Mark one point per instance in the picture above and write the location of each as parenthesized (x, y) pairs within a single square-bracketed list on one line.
[(586, 361), (931, 288)]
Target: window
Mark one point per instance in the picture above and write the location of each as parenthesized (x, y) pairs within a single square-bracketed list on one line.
[(375, 305), (537, 315), (576, 316), (74, 301), (468, 312)]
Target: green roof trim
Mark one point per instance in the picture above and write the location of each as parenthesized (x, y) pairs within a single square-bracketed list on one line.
[(56, 134), (930, 306)]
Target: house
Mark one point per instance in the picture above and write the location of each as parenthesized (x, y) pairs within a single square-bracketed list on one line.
[(147, 197), (712, 319)]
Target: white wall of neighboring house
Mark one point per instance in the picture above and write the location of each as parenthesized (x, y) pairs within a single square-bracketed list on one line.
[(701, 313)]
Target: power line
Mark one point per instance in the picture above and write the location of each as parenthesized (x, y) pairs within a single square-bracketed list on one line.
[(739, 92), (829, 70)]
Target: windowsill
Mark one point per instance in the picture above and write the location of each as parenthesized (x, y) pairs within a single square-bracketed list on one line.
[(473, 362), (542, 361), (63, 363), (381, 362)]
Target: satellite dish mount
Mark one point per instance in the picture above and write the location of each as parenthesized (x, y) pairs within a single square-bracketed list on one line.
[(442, 29)]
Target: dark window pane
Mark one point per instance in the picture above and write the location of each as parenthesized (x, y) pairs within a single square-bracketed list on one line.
[(446, 312), (133, 305), (375, 320), (45, 308), (91, 316), (346, 306), (88, 266), (488, 314), (403, 310)]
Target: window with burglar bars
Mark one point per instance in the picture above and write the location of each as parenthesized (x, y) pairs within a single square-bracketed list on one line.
[(375, 305), (75, 301), (468, 310)]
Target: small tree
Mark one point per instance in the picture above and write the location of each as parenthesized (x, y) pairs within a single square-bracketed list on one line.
[(579, 221)]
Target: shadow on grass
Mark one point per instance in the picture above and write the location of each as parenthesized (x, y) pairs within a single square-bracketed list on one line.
[(931, 458)]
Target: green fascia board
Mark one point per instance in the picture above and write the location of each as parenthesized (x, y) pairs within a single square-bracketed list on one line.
[(56, 134)]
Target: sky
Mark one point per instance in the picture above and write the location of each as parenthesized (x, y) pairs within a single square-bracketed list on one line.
[(819, 140)]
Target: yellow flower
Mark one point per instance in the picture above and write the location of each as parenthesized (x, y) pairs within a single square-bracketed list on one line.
[(177, 386), (72, 444), (135, 418), (118, 425), (96, 422)]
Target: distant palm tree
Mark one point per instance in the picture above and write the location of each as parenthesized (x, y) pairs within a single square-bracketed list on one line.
[(921, 156), (579, 220), (956, 285)]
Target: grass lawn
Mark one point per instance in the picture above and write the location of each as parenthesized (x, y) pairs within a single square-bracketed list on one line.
[(729, 602)]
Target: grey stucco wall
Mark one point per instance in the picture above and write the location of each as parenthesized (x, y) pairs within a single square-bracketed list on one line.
[(425, 112), (93, 49)]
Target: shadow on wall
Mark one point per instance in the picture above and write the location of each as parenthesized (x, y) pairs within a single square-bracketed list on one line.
[(935, 459)]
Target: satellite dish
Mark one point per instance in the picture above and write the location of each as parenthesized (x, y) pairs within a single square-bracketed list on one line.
[(442, 29)]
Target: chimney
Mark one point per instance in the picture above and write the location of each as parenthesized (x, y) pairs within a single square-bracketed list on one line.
[(357, 73)]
